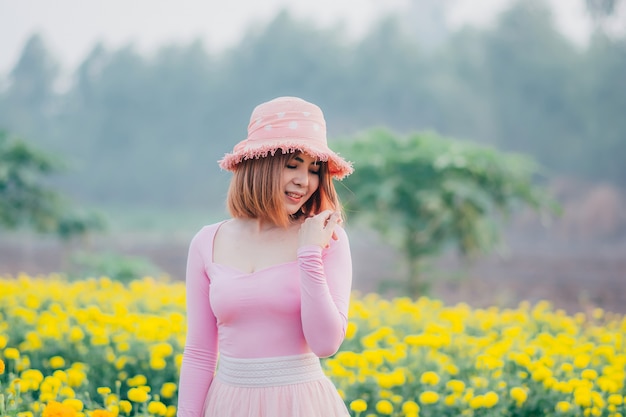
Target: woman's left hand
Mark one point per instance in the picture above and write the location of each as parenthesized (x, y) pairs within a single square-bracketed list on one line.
[(319, 229)]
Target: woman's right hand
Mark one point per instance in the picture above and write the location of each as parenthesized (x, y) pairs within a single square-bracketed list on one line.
[(319, 229)]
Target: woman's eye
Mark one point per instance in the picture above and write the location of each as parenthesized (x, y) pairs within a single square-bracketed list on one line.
[(291, 166)]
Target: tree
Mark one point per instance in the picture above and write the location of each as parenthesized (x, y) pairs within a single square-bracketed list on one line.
[(30, 98), (425, 193), (26, 201)]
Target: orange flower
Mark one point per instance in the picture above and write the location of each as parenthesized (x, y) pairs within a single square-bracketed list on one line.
[(102, 413), (56, 409)]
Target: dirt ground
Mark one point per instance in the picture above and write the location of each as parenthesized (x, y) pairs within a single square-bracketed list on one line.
[(574, 276)]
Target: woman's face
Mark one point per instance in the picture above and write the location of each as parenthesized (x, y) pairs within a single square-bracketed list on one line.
[(300, 180)]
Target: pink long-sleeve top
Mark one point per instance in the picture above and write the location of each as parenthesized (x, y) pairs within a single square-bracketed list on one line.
[(286, 309)]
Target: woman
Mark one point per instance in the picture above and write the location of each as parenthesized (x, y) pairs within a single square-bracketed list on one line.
[(269, 288)]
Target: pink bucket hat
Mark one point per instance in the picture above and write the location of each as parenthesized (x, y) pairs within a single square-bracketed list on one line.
[(289, 124)]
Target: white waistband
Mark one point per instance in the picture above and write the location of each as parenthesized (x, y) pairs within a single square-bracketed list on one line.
[(263, 372)]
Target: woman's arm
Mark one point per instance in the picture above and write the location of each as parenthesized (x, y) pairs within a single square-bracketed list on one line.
[(325, 286), (200, 355)]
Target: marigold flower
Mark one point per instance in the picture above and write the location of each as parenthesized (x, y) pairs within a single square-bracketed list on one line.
[(429, 397), (11, 353), (171, 411), (61, 375), (137, 380), (2, 366), (341, 393), (519, 395), (562, 407), (582, 361), (477, 401), (351, 330), (67, 392), (157, 363), (358, 406), (168, 390), (455, 385), (75, 403), (157, 407), (56, 409), (429, 378), (491, 399), (450, 400), (57, 362), (126, 407), (75, 377), (102, 413), (137, 395), (384, 407), (590, 374), (410, 407), (615, 399)]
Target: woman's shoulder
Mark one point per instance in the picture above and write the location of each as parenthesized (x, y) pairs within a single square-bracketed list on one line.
[(207, 233)]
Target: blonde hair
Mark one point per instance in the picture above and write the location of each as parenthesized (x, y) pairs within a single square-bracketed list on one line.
[(255, 191)]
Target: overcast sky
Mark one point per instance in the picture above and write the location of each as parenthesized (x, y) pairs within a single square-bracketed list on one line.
[(71, 27)]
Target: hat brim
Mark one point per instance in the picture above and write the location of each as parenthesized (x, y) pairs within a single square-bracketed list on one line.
[(338, 167)]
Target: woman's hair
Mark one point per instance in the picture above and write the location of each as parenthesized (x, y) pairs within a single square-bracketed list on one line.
[(255, 191)]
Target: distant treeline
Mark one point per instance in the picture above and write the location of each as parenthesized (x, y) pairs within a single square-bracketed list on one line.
[(149, 129)]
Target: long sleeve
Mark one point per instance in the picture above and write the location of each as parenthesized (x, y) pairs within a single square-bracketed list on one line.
[(325, 286), (200, 354)]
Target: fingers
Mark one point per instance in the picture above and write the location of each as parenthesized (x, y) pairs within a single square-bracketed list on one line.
[(320, 229)]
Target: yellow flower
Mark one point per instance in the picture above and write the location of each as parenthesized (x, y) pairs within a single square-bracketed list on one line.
[(450, 400), (171, 411), (519, 395), (410, 407), (429, 397), (102, 413), (429, 378), (615, 399), (62, 376), (491, 399), (477, 402), (137, 380), (67, 392), (384, 407), (168, 390), (137, 395), (157, 363), (56, 409), (582, 361), (2, 366), (358, 406), (57, 362), (75, 377), (157, 407), (126, 407), (104, 390), (589, 374), (11, 353), (455, 385), (351, 330), (562, 407), (74, 403)]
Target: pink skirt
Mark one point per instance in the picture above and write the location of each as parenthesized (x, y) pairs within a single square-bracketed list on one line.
[(287, 386)]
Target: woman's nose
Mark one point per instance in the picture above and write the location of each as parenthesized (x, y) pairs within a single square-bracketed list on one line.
[(301, 178)]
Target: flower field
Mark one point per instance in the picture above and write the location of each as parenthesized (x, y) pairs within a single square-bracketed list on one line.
[(100, 348)]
